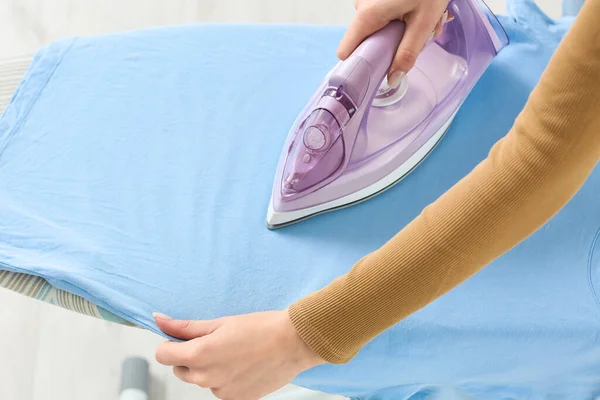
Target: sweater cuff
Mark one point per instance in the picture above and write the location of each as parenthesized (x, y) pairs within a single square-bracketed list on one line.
[(313, 339)]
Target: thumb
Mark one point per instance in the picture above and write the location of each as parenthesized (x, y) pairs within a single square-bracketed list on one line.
[(417, 34), (185, 329)]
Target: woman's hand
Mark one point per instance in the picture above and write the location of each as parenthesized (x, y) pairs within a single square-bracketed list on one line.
[(244, 357), (424, 20)]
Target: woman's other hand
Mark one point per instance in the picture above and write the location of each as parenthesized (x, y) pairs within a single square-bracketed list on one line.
[(243, 357)]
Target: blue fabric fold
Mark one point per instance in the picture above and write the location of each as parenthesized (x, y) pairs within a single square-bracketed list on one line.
[(136, 170)]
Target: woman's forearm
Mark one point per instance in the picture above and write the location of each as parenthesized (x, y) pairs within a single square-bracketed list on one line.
[(526, 179)]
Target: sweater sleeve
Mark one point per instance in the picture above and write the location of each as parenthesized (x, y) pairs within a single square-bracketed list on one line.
[(528, 176)]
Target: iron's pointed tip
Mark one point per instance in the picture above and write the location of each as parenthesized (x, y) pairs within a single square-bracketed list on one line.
[(270, 226), (275, 222), (271, 218), (278, 219)]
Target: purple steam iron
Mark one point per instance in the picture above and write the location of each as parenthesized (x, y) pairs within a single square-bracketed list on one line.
[(357, 137)]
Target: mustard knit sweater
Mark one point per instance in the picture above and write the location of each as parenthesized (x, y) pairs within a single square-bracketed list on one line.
[(528, 176)]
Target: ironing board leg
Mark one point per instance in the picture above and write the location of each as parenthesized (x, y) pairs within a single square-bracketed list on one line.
[(135, 379)]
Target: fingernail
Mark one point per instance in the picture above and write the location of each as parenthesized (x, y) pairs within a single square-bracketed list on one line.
[(164, 317), (395, 78), (431, 36), (445, 17)]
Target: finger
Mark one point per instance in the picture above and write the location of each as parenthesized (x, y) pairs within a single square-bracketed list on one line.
[(185, 329), (184, 374), (417, 34), (360, 28), (177, 354), (193, 376)]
